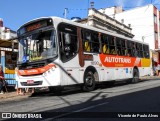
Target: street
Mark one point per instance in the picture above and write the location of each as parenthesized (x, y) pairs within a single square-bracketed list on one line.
[(119, 100)]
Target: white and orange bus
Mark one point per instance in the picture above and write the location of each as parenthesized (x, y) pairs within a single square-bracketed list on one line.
[(55, 52)]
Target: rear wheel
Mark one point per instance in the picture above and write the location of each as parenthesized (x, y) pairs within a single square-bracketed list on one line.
[(89, 81), (135, 78)]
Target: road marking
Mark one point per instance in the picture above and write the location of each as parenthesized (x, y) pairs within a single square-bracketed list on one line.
[(80, 110)]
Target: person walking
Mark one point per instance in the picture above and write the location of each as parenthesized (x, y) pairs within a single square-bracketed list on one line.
[(1, 80)]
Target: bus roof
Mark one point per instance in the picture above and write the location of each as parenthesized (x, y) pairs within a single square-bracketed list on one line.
[(59, 20)]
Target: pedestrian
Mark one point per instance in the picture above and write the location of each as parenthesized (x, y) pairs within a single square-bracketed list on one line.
[(158, 68), (1, 80), (154, 70)]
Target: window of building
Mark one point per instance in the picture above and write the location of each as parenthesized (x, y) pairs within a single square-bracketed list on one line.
[(156, 35), (155, 19)]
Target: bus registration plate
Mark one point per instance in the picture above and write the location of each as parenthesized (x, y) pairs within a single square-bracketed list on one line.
[(30, 81)]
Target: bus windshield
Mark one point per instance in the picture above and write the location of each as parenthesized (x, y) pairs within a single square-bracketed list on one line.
[(37, 46)]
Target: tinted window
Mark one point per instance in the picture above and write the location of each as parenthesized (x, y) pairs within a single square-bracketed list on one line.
[(68, 41)]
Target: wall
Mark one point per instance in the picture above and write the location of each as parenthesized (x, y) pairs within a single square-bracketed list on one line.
[(142, 23)]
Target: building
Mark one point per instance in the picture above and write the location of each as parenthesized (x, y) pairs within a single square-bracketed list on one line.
[(6, 33), (102, 21), (144, 22), (7, 56)]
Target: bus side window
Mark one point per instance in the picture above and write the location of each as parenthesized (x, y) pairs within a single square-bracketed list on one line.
[(112, 45), (68, 41), (140, 50), (118, 46), (95, 42), (146, 51), (86, 36), (129, 48), (105, 46), (90, 41), (135, 53)]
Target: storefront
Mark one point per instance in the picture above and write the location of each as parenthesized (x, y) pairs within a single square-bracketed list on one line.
[(8, 59), (156, 61)]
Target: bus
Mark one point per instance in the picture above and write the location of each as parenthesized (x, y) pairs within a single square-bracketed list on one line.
[(55, 53)]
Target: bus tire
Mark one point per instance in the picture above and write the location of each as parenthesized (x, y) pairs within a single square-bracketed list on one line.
[(89, 81), (135, 78)]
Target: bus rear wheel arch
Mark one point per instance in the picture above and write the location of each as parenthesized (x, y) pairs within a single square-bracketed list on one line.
[(135, 78), (90, 79)]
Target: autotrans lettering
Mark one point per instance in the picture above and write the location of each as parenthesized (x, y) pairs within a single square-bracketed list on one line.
[(117, 60)]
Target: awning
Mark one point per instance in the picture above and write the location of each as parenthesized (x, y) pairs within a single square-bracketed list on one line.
[(8, 44)]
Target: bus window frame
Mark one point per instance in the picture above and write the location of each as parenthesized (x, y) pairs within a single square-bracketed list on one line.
[(61, 41), (90, 48)]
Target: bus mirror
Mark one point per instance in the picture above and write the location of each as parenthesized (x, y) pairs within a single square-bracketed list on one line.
[(67, 39)]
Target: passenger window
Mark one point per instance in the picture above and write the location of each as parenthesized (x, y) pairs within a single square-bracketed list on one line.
[(146, 51), (129, 48), (105, 44), (139, 50), (90, 41), (112, 44)]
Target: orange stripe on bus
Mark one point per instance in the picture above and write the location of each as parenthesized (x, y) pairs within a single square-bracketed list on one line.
[(119, 61), (36, 70)]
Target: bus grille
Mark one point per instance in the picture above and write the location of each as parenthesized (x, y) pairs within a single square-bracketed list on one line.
[(34, 84)]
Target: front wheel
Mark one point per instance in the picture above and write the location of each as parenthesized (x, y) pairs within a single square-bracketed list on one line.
[(89, 81)]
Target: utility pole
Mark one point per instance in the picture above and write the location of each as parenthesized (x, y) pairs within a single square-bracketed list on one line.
[(65, 12)]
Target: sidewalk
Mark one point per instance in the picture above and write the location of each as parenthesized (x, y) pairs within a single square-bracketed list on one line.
[(12, 95), (149, 77)]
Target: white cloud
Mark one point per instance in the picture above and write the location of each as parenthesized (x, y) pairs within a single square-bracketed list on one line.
[(129, 3), (139, 2), (156, 1), (120, 2)]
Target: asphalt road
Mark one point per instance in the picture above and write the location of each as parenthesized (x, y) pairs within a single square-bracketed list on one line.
[(106, 102)]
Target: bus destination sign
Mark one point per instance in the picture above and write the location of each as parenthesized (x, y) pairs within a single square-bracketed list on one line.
[(34, 26)]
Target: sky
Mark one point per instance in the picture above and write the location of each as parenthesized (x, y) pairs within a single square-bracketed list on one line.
[(17, 12)]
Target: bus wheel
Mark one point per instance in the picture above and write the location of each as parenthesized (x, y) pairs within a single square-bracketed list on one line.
[(135, 78), (89, 81)]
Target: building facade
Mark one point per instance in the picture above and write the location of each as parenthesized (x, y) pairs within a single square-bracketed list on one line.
[(6, 33), (102, 21), (144, 21), (7, 56)]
